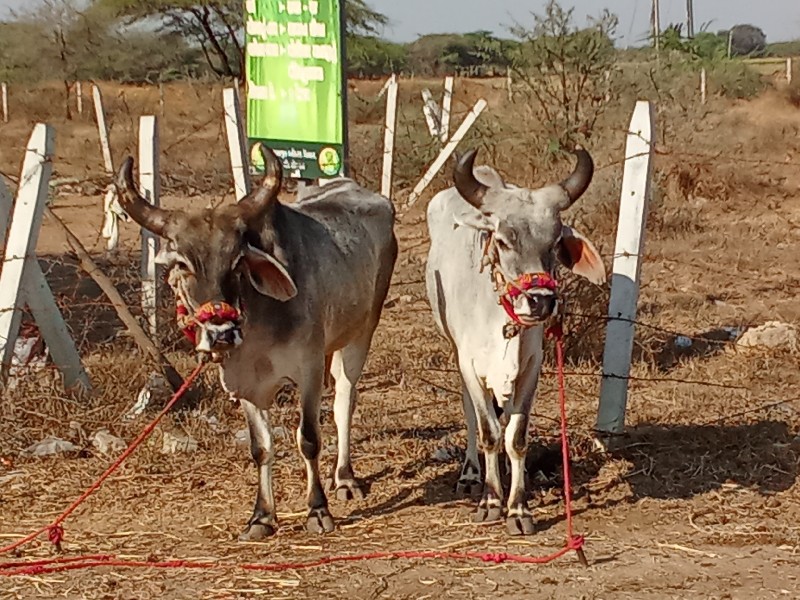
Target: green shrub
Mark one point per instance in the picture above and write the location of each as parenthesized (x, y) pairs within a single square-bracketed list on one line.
[(734, 79)]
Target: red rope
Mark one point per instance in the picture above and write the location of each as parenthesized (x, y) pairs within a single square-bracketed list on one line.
[(576, 542), (88, 562), (55, 530)]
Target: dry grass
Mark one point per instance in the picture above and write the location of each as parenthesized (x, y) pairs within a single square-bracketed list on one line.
[(702, 490)]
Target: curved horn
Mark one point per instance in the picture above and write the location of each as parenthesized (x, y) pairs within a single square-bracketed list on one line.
[(258, 203), (467, 184), (577, 183), (140, 210)]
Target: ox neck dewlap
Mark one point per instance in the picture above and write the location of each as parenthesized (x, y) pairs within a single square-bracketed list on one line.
[(511, 289)]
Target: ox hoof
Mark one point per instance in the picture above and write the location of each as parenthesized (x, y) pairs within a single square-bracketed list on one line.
[(468, 487), (520, 525), (488, 514), (319, 521), (257, 532), (349, 490), (346, 488)]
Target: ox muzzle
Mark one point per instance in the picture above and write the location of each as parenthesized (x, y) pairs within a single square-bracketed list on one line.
[(529, 300), (214, 328)]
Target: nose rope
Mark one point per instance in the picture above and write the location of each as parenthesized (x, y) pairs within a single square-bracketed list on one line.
[(519, 287), (188, 321), (219, 312), (509, 289)]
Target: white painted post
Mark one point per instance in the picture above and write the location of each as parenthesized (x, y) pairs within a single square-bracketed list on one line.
[(607, 80), (4, 91), (386, 85), (509, 85), (462, 130), (21, 247), (54, 329), (237, 146), (447, 103), (388, 137), (703, 86), (111, 209), (79, 96), (6, 205), (628, 257), (789, 70), (430, 109), (100, 114), (40, 301), (151, 190)]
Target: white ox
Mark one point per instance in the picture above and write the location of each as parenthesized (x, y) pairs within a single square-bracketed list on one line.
[(518, 234), (273, 291)]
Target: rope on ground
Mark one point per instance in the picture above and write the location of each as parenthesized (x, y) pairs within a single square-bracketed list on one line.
[(55, 529), (43, 567)]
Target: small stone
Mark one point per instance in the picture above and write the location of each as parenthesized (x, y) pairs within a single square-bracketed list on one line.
[(173, 443), (407, 299), (772, 334), (106, 443), (443, 455), (733, 332), (211, 420), (242, 438), (50, 446)]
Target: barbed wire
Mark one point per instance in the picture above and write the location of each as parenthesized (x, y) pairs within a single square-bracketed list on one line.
[(599, 374), (191, 181), (639, 323), (751, 411), (133, 274)]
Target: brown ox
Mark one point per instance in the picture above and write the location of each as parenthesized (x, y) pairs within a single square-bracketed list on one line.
[(271, 290)]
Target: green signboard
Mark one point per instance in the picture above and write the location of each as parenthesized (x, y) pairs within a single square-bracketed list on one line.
[(296, 100)]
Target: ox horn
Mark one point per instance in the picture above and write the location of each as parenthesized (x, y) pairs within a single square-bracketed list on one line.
[(150, 217), (258, 203), (467, 184), (577, 183)]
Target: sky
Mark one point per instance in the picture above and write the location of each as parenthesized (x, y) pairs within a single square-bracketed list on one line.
[(780, 19)]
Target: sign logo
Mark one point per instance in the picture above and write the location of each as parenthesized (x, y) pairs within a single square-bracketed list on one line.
[(329, 162)]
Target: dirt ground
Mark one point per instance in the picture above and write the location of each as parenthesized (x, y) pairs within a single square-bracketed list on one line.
[(699, 499)]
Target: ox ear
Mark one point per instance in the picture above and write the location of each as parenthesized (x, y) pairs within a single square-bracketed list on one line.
[(579, 255), (268, 276), (471, 217)]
